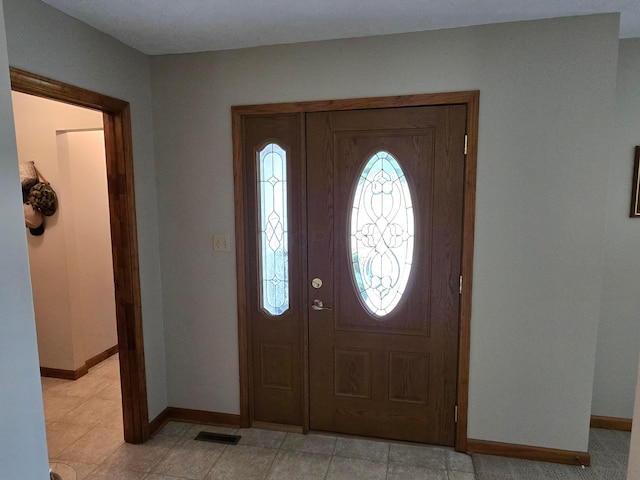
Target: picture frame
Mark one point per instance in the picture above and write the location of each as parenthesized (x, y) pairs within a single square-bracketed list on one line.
[(635, 195)]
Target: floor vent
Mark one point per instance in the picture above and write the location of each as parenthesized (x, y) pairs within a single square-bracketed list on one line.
[(218, 438)]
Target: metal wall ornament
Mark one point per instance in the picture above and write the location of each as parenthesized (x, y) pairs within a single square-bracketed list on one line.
[(635, 195)]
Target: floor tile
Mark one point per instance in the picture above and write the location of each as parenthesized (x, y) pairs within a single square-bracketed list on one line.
[(453, 475), (48, 382), (555, 471), (93, 447), (83, 470), (527, 468), (419, 456), (458, 461), (351, 469), (291, 465), (112, 391), (398, 471), (84, 387), (609, 460), (144, 457), (613, 441), (258, 437), (175, 429), (84, 431), (500, 476), (499, 468), (311, 443), (604, 474), (91, 412), (362, 449), (488, 463), (155, 476), (112, 419), (109, 368), (56, 406), (62, 436), (104, 472), (190, 459), (243, 462)]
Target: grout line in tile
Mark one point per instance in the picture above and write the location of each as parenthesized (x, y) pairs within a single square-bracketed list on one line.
[(386, 475)]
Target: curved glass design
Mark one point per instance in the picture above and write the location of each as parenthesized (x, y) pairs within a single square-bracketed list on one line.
[(382, 234), (274, 245)]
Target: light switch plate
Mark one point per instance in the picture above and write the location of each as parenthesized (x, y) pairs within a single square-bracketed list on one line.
[(221, 243)]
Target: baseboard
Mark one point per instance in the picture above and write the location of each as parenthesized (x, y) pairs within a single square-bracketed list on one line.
[(80, 372), (64, 374), (101, 357), (539, 454), (204, 417), (160, 421), (611, 423), (193, 416)]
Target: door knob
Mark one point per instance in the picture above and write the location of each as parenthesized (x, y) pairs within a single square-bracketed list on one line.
[(318, 305)]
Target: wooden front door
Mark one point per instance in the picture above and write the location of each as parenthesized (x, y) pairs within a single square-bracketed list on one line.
[(384, 233)]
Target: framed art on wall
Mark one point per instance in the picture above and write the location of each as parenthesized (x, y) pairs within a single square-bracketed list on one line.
[(635, 196)]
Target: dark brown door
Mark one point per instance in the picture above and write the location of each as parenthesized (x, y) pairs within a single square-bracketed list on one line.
[(383, 359), (276, 333)]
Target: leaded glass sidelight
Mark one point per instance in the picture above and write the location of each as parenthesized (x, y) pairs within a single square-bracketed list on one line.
[(274, 248), (382, 234)]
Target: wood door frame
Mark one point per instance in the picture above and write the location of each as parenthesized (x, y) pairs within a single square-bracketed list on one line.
[(124, 242), (472, 101)]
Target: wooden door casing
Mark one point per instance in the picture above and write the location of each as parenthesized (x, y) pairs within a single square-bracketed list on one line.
[(469, 99), (122, 216)]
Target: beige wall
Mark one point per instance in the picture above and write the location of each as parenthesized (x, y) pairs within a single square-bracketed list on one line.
[(71, 269), (81, 158)]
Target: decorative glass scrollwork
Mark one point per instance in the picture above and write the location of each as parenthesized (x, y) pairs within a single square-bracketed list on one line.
[(382, 234), (274, 243)]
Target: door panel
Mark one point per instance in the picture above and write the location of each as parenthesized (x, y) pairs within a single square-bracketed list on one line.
[(390, 376), (276, 346)]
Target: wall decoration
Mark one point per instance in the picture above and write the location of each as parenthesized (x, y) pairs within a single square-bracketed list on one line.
[(635, 197)]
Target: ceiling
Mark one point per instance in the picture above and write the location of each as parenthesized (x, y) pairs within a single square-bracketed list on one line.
[(159, 27)]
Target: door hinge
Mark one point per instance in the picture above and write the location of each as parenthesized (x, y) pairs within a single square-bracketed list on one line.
[(455, 414), (465, 143), (460, 284)]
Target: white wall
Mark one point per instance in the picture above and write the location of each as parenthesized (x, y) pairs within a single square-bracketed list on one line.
[(23, 448), (547, 99), (71, 266), (43, 40), (619, 329)]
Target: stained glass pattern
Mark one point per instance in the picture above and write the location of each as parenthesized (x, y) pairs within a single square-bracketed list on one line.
[(274, 245), (382, 234)]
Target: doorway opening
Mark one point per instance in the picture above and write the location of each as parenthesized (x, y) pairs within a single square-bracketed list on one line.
[(305, 335), (116, 125), (71, 269)]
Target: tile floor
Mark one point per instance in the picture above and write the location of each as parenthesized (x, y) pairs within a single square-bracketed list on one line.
[(84, 431), (609, 451)]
